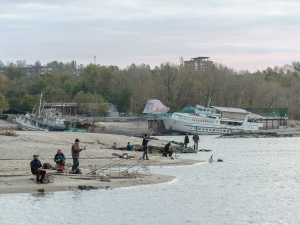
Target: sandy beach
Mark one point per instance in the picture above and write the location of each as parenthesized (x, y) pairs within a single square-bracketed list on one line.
[(17, 152)]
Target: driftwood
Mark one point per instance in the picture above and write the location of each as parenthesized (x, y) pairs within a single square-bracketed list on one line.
[(9, 133)]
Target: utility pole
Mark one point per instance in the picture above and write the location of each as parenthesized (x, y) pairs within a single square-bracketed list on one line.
[(131, 106), (94, 59)]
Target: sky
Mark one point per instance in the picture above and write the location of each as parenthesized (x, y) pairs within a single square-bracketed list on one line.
[(242, 34)]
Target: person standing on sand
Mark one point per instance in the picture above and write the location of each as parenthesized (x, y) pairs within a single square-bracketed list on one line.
[(145, 146), (37, 169), (186, 140), (75, 155), (196, 139)]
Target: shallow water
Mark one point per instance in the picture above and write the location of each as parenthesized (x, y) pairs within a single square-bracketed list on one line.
[(258, 183)]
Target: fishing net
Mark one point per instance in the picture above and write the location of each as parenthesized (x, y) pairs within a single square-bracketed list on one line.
[(49, 178)]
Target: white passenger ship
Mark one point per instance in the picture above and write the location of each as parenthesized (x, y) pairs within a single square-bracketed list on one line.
[(209, 120)]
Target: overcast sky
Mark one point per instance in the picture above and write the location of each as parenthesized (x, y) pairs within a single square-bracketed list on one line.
[(243, 34)]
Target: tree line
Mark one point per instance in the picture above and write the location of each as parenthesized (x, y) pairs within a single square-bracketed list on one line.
[(175, 85)]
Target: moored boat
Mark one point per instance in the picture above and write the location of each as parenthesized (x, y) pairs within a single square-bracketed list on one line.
[(209, 120)]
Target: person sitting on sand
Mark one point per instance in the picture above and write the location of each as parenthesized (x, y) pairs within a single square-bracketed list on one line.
[(59, 158), (114, 146), (37, 169), (129, 147), (168, 151)]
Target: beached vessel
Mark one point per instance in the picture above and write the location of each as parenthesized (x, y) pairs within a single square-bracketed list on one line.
[(28, 123), (55, 121), (212, 120), (51, 121)]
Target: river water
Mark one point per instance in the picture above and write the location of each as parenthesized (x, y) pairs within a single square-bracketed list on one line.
[(258, 183)]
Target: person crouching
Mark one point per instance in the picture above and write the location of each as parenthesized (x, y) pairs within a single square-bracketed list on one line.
[(59, 158), (168, 151), (37, 169)]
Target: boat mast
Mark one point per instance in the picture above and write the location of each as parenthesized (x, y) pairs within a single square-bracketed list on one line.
[(209, 102), (40, 105)]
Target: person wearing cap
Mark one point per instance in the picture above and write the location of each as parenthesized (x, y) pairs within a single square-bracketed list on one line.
[(59, 158), (186, 140), (37, 169), (75, 155)]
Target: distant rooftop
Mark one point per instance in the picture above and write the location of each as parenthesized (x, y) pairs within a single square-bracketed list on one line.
[(200, 58)]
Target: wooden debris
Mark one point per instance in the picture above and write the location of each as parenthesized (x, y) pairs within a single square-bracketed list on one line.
[(9, 133)]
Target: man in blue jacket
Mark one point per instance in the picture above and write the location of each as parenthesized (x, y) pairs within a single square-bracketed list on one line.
[(37, 169), (129, 147), (59, 158)]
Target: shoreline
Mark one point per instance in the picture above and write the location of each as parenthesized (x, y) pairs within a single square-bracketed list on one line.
[(17, 152)]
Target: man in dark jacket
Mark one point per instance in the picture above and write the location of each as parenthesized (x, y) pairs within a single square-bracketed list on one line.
[(37, 169), (59, 158), (196, 139), (167, 150), (186, 140), (145, 146), (75, 155)]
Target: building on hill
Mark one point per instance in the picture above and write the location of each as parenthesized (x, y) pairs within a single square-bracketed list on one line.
[(35, 70), (199, 63)]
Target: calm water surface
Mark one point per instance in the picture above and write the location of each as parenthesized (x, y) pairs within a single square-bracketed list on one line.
[(258, 183)]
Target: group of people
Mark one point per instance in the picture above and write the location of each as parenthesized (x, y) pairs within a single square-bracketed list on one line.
[(195, 139), (128, 147), (59, 159)]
